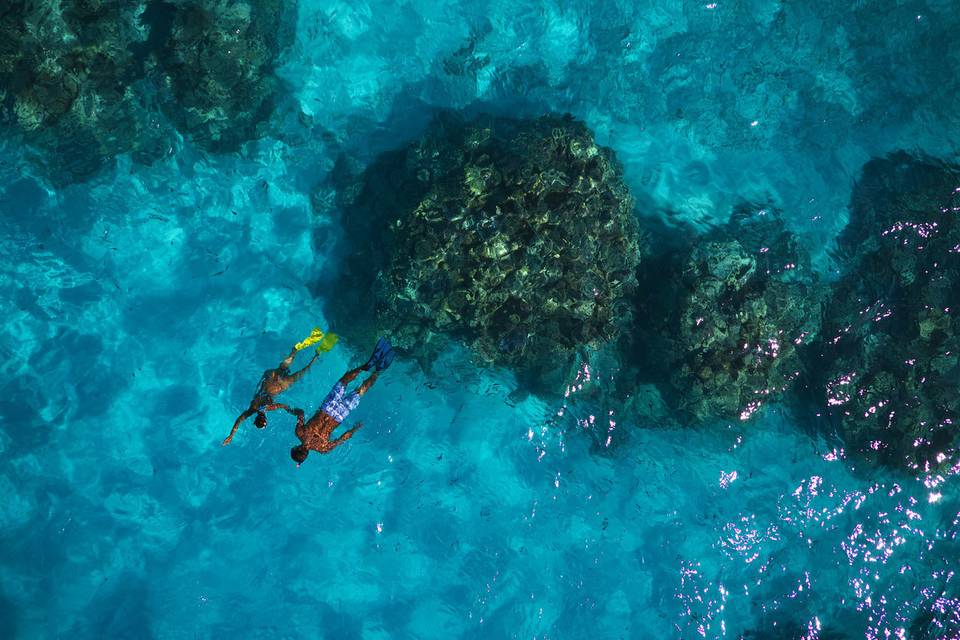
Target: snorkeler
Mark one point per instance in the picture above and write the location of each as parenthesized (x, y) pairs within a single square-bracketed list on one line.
[(315, 434), (273, 382)]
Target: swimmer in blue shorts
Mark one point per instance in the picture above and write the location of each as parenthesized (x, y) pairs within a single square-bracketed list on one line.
[(315, 433)]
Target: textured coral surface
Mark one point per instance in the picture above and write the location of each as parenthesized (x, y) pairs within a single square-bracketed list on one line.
[(217, 60), (727, 314), (83, 81), (516, 236), (68, 81), (888, 363)]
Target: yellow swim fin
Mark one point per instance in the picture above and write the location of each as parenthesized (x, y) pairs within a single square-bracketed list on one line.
[(315, 336), (327, 343)]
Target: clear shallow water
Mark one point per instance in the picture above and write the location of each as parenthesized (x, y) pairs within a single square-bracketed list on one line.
[(141, 307)]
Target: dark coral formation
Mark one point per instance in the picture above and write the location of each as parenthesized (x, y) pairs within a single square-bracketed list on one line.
[(515, 236), (78, 78), (66, 82), (721, 319), (217, 59), (888, 363)]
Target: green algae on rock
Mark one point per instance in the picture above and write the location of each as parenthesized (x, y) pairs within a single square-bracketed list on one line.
[(217, 59), (724, 317), (67, 76), (888, 371), (516, 237)]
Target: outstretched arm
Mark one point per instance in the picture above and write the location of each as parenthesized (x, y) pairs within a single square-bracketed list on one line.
[(346, 435), (236, 425), (280, 405)]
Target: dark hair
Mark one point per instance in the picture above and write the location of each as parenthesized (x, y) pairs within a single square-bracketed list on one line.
[(260, 420), (299, 453)]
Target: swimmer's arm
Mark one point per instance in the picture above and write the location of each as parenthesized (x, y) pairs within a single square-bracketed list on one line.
[(293, 411), (236, 425), (345, 436), (280, 405)]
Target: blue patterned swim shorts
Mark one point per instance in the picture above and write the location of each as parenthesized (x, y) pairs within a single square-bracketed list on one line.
[(338, 404)]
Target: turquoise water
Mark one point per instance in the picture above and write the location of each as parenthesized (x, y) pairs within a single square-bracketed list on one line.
[(141, 305)]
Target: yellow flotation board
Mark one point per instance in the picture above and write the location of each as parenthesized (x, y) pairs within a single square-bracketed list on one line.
[(326, 340)]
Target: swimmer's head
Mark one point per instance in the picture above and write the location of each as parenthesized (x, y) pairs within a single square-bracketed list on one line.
[(260, 420), (299, 454)]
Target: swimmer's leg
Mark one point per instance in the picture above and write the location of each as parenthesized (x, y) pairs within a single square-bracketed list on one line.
[(349, 376), (363, 388), (352, 399), (289, 359), (293, 377)]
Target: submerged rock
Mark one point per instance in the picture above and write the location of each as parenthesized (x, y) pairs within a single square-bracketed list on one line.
[(217, 59), (719, 321), (887, 365), (67, 76), (79, 79), (516, 237)]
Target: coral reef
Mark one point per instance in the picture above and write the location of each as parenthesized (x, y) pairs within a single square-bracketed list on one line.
[(79, 78), (888, 361), (66, 83), (217, 59), (721, 319), (516, 237)]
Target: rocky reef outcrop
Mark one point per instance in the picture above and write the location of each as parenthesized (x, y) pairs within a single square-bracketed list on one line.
[(67, 83), (515, 237), (217, 60), (889, 361), (720, 319), (81, 80)]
